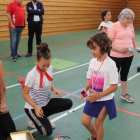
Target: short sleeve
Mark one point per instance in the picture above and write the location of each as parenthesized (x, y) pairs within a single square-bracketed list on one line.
[(29, 80), (111, 31), (102, 25), (113, 73), (9, 8)]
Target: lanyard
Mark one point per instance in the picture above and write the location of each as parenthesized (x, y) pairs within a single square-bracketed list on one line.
[(97, 72)]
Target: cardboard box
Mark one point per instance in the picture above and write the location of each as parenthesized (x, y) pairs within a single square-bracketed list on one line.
[(22, 135)]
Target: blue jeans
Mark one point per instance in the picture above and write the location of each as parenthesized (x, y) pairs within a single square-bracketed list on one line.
[(15, 36)]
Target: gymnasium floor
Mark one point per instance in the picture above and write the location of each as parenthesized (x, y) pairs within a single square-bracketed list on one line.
[(70, 58)]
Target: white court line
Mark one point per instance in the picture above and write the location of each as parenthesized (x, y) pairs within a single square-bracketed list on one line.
[(76, 108), (54, 73), (13, 86), (70, 68)]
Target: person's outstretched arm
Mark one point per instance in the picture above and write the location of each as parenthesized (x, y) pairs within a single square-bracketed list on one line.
[(3, 106)]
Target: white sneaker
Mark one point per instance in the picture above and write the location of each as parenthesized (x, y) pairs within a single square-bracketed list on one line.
[(31, 124)]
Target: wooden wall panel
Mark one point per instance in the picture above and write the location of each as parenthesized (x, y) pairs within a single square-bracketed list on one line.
[(64, 16), (134, 5)]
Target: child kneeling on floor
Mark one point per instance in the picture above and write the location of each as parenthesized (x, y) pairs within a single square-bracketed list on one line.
[(37, 91)]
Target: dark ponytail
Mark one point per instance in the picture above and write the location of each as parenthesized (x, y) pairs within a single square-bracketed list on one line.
[(44, 51), (104, 12)]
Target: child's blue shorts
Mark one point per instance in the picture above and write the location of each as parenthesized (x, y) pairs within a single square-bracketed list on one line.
[(94, 109)]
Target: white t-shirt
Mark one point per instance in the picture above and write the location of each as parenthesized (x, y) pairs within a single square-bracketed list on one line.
[(107, 75), (40, 96), (106, 25), (36, 17)]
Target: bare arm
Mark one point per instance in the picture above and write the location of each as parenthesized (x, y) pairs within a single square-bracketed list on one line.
[(55, 91), (87, 85), (104, 29), (134, 43), (118, 49), (27, 97), (3, 106), (10, 20), (38, 109)]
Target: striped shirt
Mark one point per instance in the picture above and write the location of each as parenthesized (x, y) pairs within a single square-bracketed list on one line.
[(40, 96)]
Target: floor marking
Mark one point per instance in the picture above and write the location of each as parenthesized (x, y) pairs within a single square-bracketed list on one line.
[(50, 48), (13, 75), (15, 118), (70, 68), (61, 71), (13, 86)]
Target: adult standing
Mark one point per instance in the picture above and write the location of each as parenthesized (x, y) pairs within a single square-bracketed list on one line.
[(16, 17), (6, 123), (123, 36), (35, 20)]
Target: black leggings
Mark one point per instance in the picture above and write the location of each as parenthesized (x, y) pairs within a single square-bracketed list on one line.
[(6, 124), (55, 105), (124, 64)]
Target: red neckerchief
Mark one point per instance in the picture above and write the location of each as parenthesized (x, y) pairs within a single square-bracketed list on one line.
[(41, 76), (22, 82)]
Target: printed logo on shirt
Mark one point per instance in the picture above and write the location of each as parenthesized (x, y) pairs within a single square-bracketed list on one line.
[(14, 19), (98, 84)]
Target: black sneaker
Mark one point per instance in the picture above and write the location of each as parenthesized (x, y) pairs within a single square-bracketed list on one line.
[(28, 55), (13, 58), (19, 56)]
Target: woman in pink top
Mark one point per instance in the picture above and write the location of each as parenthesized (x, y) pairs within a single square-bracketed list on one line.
[(122, 34)]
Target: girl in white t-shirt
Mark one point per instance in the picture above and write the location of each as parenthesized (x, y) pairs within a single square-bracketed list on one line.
[(37, 91), (106, 23), (102, 82)]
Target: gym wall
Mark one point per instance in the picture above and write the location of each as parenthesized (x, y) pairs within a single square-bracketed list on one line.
[(64, 16)]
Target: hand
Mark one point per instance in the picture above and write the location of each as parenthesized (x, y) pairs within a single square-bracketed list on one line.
[(38, 111), (3, 107), (82, 97), (123, 50), (39, 9), (13, 27), (30, 8), (23, 28), (92, 97), (56, 92)]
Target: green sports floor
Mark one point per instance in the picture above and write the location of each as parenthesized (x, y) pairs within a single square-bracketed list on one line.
[(70, 58)]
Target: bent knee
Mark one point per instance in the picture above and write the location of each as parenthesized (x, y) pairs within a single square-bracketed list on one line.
[(98, 123), (49, 132), (45, 132), (85, 123), (69, 103)]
